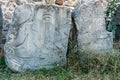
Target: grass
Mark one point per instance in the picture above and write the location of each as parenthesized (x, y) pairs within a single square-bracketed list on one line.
[(80, 66)]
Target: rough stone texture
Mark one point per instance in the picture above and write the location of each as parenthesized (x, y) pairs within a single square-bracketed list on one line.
[(59, 2), (8, 7), (8, 15), (38, 37), (1, 18), (7, 10), (103, 2), (50, 1), (90, 23), (72, 3)]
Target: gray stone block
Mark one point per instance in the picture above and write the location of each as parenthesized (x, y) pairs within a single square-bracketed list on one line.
[(38, 37), (92, 34)]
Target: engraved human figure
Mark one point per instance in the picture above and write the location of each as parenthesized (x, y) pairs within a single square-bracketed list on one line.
[(36, 40)]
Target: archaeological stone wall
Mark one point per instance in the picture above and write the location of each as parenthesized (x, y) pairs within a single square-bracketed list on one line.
[(8, 7)]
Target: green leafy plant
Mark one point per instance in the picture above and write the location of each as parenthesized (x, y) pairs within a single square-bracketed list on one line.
[(111, 14)]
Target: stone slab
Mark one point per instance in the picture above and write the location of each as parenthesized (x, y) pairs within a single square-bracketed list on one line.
[(38, 37)]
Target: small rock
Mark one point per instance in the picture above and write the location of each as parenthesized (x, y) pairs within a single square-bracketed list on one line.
[(8, 15), (69, 3), (59, 2), (50, 33), (6, 22), (11, 8), (50, 1), (20, 2)]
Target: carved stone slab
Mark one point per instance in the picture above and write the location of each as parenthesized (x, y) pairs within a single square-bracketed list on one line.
[(38, 37), (90, 23)]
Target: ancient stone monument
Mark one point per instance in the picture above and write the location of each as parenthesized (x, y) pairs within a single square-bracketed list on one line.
[(90, 23), (38, 37), (38, 33)]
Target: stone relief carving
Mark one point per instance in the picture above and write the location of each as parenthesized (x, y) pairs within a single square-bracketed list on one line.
[(38, 37), (90, 23)]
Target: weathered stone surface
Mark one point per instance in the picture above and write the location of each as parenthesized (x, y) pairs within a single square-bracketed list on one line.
[(59, 2), (72, 3), (1, 18), (50, 1), (7, 7), (103, 2), (1, 23), (90, 23), (38, 37), (8, 15)]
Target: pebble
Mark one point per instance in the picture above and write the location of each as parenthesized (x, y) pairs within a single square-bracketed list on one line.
[(59, 2), (8, 15)]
